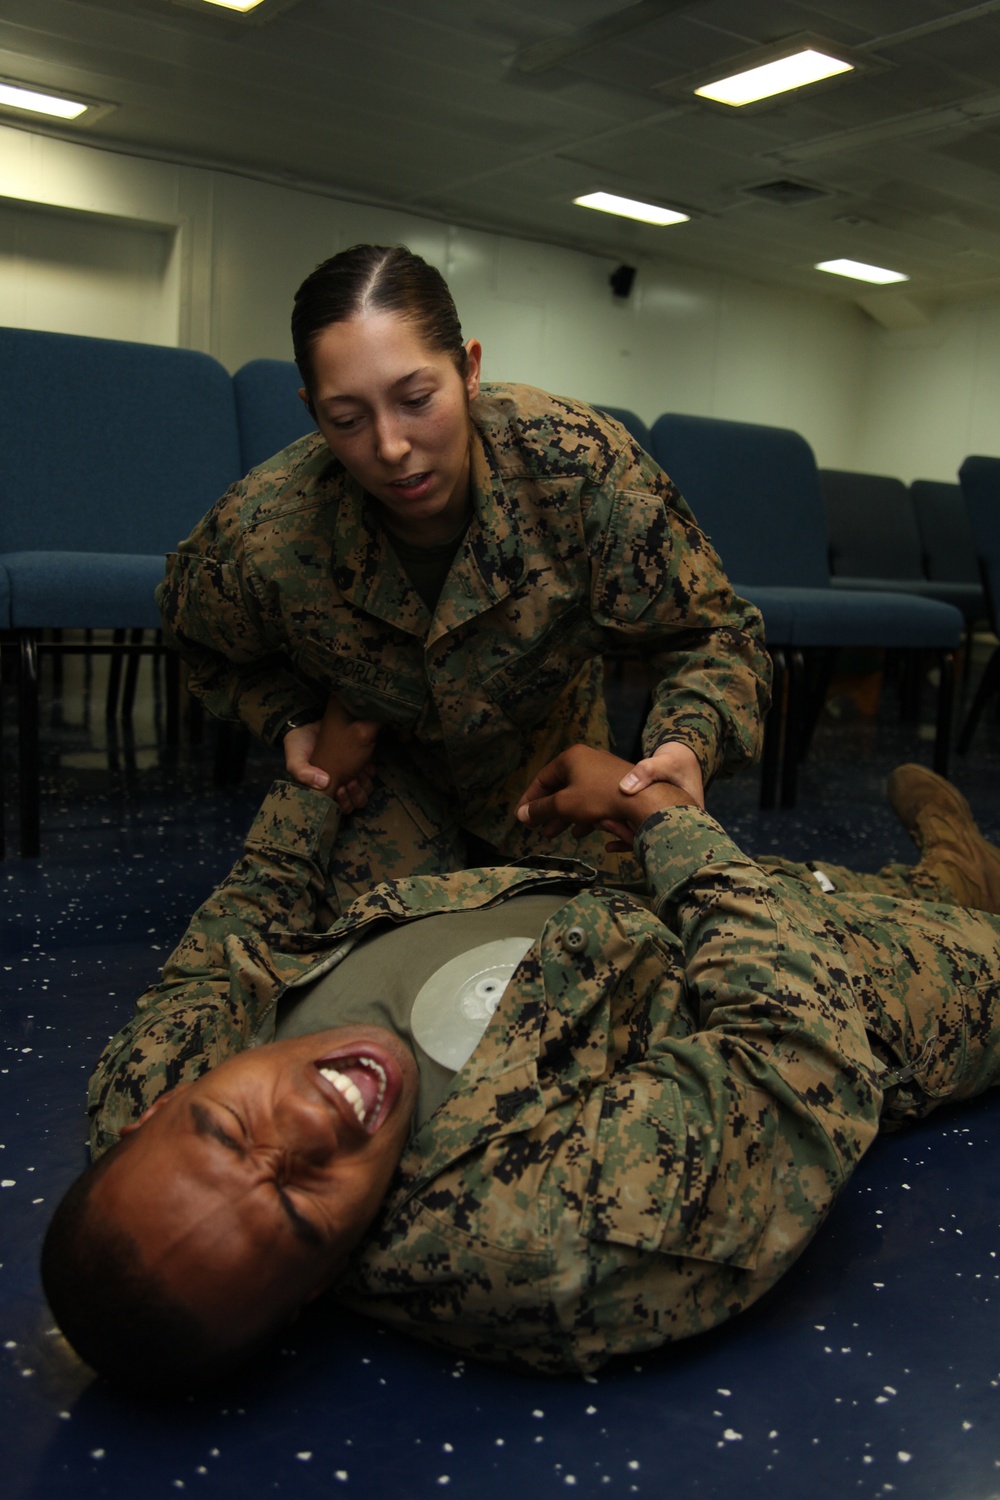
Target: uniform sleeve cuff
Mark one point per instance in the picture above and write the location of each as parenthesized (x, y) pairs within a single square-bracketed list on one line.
[(296, 820), (674, 844)]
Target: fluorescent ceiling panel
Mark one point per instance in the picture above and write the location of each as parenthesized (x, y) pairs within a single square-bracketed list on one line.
[(13, 97), (807, 66), (630, 208), (861, 272), (241, 5)]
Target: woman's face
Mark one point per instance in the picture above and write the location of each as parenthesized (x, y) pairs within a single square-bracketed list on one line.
[(396, 414)]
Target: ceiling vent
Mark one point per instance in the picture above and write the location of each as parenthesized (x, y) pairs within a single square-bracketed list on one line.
[(786, 193)]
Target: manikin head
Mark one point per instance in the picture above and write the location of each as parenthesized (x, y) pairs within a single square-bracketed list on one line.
[(232, 1202)]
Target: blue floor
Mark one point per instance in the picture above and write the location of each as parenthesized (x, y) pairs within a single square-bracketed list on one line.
[(873, 1369)]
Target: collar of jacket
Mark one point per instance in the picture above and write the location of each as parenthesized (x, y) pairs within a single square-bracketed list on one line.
[(292, 959), (489, 563)]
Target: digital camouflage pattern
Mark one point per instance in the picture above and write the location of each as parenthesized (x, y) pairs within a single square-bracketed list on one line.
[(288, 590), (661, 1111)]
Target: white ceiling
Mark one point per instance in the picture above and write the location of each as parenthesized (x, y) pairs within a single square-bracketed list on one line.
[(496, 113)]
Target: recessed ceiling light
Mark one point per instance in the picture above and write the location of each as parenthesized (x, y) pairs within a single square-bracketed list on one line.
[(13, 97), (255, 12), (805, 66), (630, 208), (861, 272)]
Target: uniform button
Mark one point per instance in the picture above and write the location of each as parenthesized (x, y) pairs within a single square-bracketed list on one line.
[(574, 940)]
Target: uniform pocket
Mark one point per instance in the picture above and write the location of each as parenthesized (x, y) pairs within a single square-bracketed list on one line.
[(635, 564), (665, 1181), (530, 682)]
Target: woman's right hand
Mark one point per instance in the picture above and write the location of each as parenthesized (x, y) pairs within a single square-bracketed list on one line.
[(334, 755)]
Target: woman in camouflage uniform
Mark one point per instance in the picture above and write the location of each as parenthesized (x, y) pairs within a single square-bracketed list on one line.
[(452, 561)]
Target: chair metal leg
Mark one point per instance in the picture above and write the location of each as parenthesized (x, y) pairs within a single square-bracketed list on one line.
[(794, 746), (988, 683), (3, 784), (55, 636), (945, 700), (131, 675), (966, 658), (27, 739), (812, 685), (114, 676), (910, 678)]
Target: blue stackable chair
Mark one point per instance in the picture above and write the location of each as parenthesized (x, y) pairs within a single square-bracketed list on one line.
[(269, 410), (270, 414), (875, 541), (949, 551), (756, 491), (946, 540), (109, 453), (980, 480)]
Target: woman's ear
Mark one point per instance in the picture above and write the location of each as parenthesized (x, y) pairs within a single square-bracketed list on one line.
[(306, 400), (474, 351)]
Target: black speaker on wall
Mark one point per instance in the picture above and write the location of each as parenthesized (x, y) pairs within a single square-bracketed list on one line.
[(621, 280)]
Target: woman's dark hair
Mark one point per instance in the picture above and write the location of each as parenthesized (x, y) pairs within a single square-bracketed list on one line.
[(375, 278)]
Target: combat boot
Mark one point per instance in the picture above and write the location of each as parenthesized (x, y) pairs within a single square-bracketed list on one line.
[(940, 823)]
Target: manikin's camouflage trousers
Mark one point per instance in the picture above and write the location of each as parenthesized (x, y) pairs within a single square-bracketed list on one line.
[(940, 963)]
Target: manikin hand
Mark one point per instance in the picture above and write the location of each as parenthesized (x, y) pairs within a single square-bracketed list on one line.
[(334, 755), (581, 789)]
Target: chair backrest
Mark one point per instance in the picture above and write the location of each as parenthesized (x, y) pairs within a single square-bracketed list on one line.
[(945, 532), (109, 446), (630, 421), (979, 477), (872, 526), (269, 410), (755, 490)]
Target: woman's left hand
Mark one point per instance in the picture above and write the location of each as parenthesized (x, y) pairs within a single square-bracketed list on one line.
[(671, 762)]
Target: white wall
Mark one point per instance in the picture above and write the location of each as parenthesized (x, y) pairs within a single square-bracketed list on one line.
[(935, 395), (683, 341), (66, 271), (211, 260)]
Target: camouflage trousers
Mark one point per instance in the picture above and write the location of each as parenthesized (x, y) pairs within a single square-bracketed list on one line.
[(926, 973)]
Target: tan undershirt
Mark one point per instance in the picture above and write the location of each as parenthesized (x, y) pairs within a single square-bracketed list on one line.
[(378, 981)]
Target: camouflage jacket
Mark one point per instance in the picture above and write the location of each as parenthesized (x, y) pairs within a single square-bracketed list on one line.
[(660, 1113), (288, 590)]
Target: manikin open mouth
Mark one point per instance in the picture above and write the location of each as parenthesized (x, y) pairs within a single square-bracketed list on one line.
[(361, 1082)]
